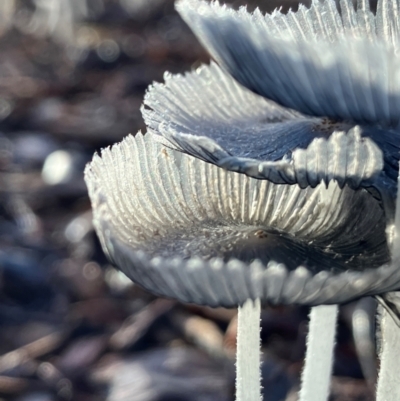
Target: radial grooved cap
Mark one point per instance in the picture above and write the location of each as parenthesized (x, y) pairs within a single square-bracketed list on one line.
[(187, 229)]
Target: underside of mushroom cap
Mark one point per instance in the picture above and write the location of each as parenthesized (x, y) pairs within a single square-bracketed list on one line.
[(317, 61), (207, 114), (187, 229)]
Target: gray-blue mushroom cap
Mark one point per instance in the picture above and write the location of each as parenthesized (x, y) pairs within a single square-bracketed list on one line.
[(187, 229)]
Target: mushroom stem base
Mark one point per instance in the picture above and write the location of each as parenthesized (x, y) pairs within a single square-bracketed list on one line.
[(388, 388), (319, 356), (248, 378)]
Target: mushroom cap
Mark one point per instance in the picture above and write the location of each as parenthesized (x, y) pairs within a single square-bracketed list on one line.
[(207, 114), (317, 61), (328, 82), (187, 229)]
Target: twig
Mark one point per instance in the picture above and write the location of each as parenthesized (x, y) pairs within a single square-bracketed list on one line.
[(137, 325), (32, 350), (202, 332)]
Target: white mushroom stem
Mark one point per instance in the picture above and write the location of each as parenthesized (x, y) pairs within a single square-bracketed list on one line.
[(317, 371), (388, 388), (248, 355)]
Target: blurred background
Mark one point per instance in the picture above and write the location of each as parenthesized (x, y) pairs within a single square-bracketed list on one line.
[(72, 78)]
